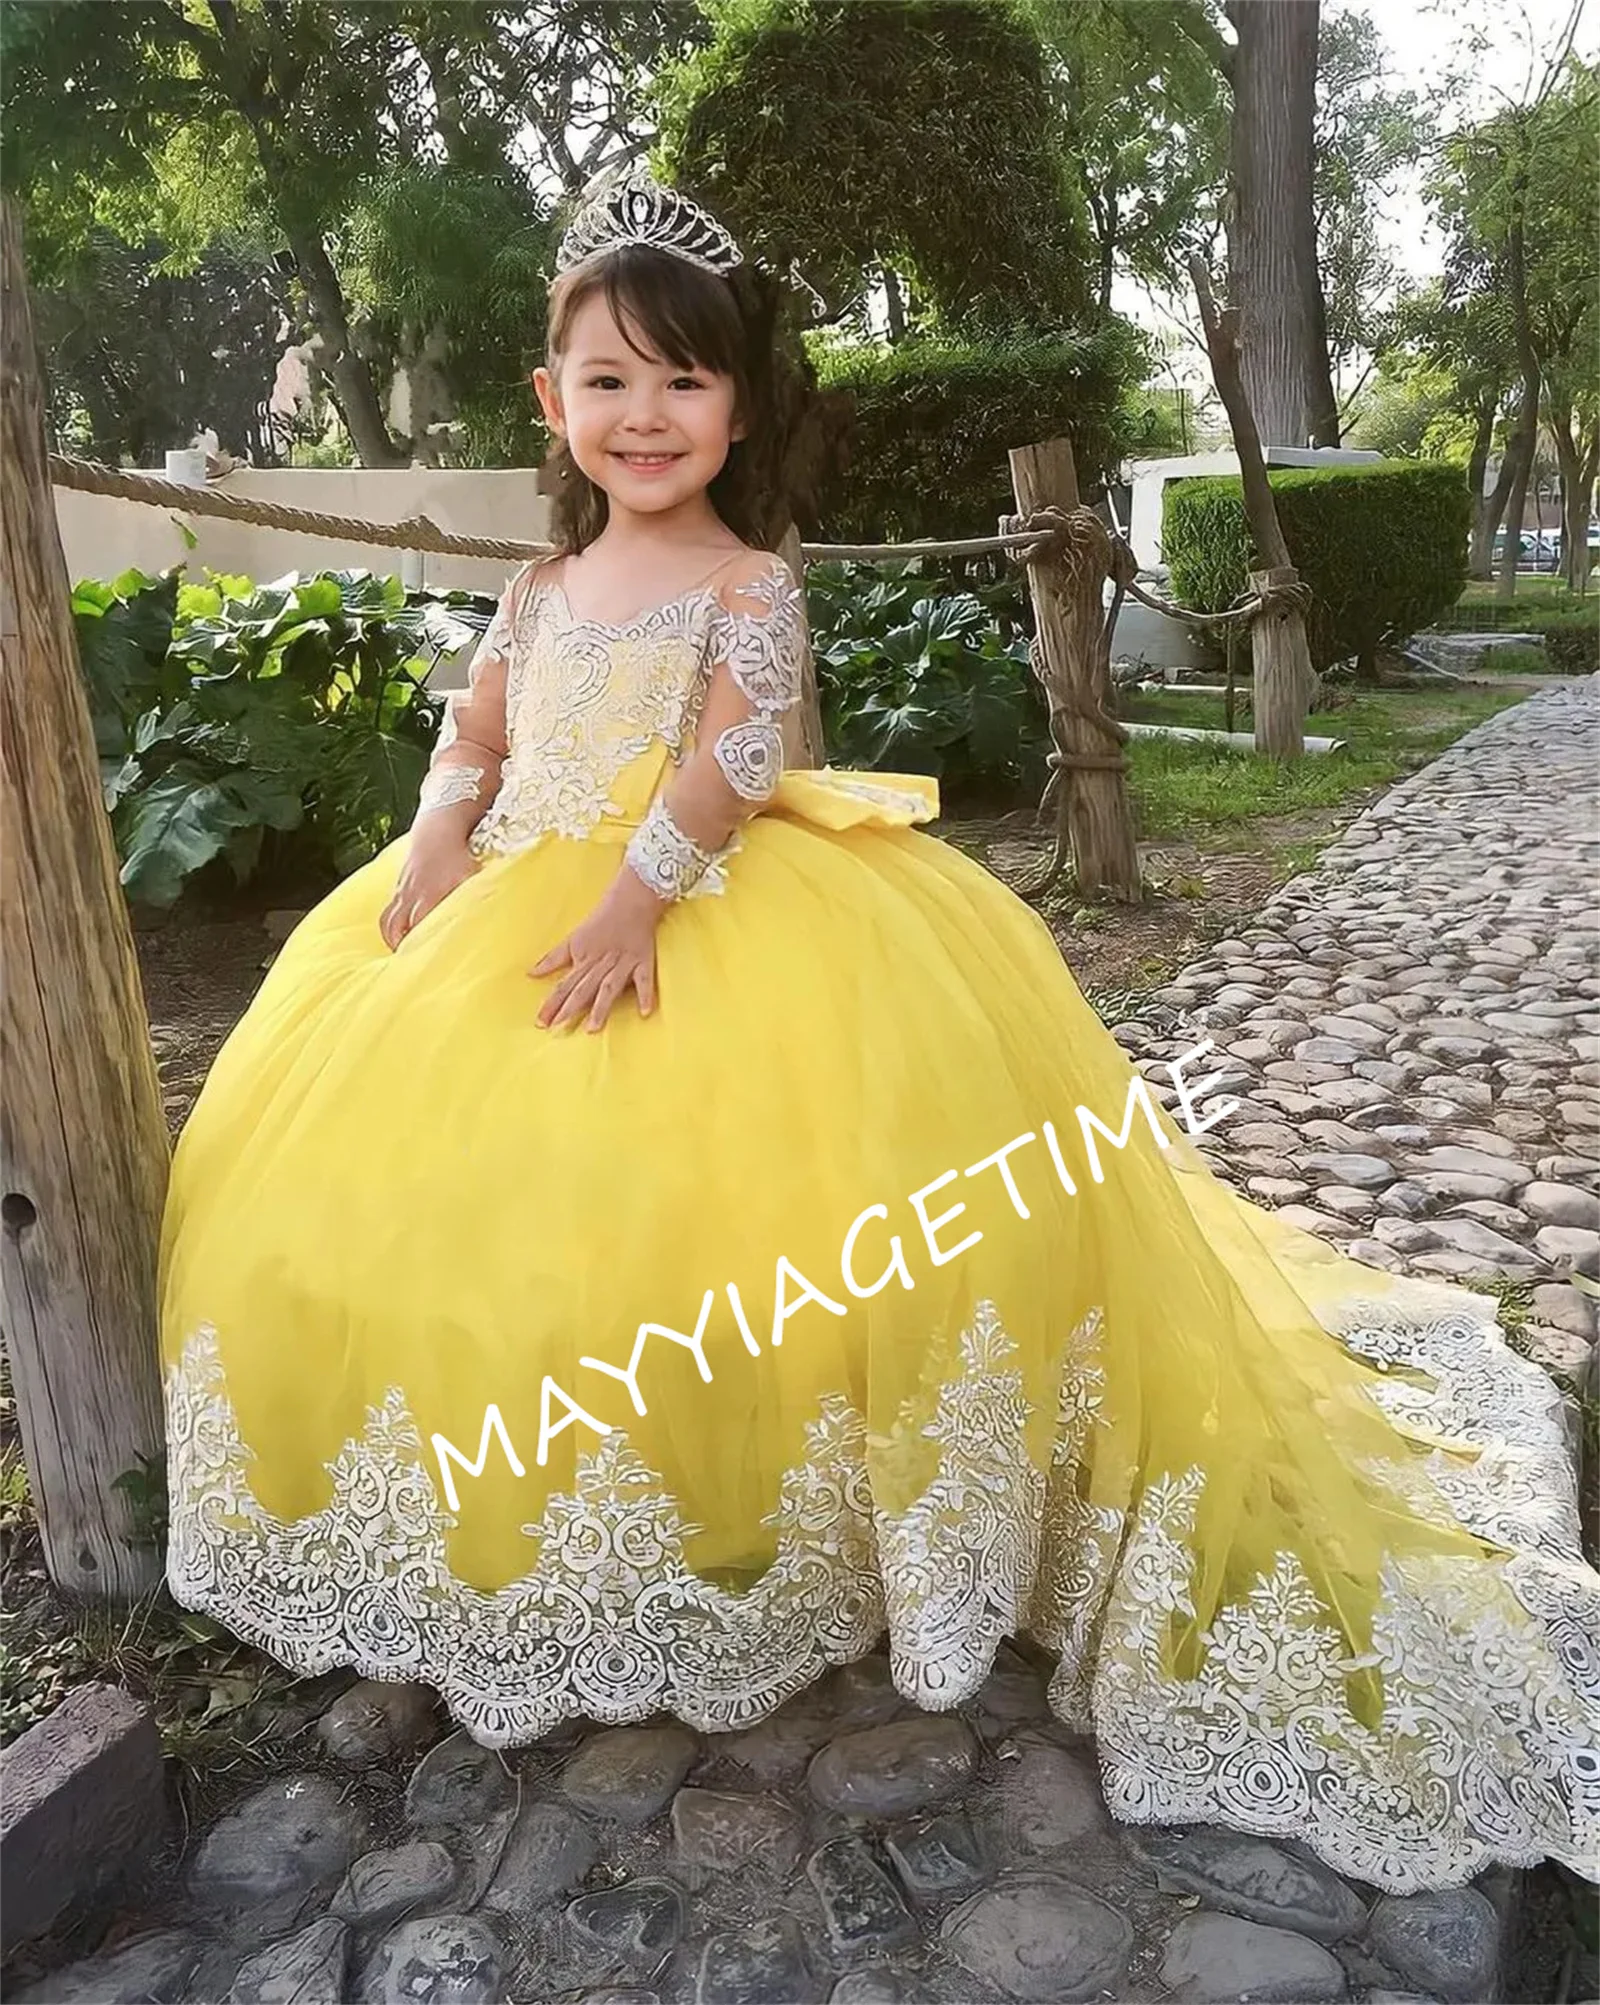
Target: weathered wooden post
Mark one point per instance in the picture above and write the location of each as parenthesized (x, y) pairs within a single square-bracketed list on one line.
[(1285, 681), (1094, 817), (83, 1142)]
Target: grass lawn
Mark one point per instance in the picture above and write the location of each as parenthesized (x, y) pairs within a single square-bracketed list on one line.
[(1182, 788), (1532, 590)]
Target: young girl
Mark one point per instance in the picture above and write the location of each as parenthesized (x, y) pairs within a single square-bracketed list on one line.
[(667, 1221)]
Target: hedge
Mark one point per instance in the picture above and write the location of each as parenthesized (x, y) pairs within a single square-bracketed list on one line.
[(934, 422), (1382, 546), (1571, 637)]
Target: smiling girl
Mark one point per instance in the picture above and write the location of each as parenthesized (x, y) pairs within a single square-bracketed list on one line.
[(1299, 1537)]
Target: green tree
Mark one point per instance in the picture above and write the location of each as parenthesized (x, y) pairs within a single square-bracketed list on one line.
[(1517, 193), (1367, 134), (1141, 93), (841, 141), (356, 139)]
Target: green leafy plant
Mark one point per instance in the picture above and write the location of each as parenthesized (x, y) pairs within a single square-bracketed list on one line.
[(145, 1487), (1382, 546), (230, 716), (915, 679)]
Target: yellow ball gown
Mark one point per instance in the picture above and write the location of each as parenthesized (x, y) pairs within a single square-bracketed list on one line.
[(858, 1288)]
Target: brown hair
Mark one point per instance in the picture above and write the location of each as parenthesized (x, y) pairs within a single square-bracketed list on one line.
[(693, 319)]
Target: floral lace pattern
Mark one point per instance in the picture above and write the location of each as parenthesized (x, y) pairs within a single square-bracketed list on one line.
[(584, 698), (583, 701), (1486, 1750)]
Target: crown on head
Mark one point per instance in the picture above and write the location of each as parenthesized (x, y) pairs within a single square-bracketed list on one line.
[(638, 210)]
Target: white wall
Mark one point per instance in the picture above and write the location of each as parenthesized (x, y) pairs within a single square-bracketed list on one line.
[(103, 535)]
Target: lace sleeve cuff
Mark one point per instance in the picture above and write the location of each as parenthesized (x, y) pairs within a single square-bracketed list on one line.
[(446, 786), (662, 857)]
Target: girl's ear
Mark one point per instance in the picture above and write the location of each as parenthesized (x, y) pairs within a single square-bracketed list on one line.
[(545, 389)]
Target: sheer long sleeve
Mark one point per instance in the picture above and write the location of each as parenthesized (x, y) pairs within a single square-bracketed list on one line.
[(471, 748), (755, 682)]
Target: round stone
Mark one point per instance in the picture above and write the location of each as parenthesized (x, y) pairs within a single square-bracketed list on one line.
[(634, 1927), (288, 1836), (385, 1885), (1446, 1943), (451, 1959), (458, 1786), (1256, 1880), (890, 1770), (1036, 1937), (1217, 1959), (1049, 1797), (549, 1849), (307, 1966), (629, 1774), (151, 1966), (374, 1723), (720, 1832), (1360, 1172)]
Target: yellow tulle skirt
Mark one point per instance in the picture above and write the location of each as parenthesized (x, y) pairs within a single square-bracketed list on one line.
[(858, 1289)]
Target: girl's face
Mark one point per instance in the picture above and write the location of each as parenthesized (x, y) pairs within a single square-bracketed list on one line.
[(652, 435)]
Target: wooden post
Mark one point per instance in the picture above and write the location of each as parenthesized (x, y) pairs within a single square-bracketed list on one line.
[(811, 751), (83, 1142), (1284, 679), (1094, 816)]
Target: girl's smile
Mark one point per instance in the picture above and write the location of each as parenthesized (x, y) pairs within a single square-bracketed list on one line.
[(608, 396)]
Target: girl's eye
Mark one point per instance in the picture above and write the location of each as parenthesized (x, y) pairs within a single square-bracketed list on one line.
[(603, 382), (688, 383)]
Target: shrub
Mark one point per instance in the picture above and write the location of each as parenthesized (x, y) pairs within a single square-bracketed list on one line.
[(1382, 546), (917, 679), (229, 714), (1571, 637), (934, 422)]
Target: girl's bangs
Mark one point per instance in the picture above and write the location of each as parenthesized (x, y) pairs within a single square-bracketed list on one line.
[(687, 316)]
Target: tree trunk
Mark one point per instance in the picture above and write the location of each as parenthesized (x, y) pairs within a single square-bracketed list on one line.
[(1284, 678), (353, 389), (896, 305), (1482, 543), (1272, 233), (1576, 459), (1514, 477), (83, 1140)]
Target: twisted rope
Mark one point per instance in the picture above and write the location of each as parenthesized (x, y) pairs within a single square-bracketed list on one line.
[(416, 532), (1078, 544)]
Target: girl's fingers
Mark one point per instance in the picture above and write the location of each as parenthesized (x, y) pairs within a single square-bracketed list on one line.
[(553, 1001), (583, 992), (559, 956), (610, 989), (644, 982), (575, 994)]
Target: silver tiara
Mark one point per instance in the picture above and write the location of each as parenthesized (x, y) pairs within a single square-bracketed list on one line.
[(638, 210)]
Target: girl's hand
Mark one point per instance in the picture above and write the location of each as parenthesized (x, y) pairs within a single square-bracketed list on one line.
[(614, 949), (437, 861)]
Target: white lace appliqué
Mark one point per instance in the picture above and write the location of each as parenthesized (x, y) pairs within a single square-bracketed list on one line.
[(1486, 1750), (583, 700), (444, 786), (663, 858)]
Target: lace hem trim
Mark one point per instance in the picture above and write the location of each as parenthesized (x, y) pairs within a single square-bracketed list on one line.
[(1488, 1747)]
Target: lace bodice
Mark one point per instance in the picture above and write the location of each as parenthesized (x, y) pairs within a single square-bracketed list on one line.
[(586, 717)]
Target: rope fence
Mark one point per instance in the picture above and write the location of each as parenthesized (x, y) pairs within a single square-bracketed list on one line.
[(1026, 543)]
